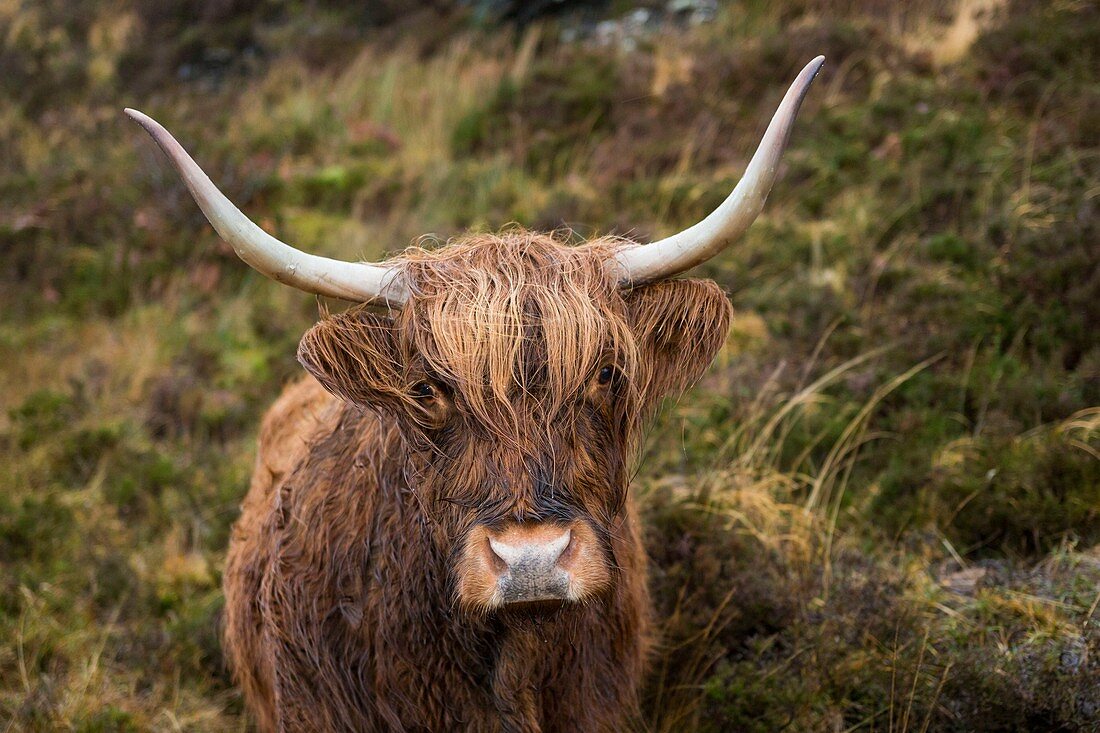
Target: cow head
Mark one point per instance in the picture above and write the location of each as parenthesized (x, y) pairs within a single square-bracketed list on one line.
[(518, 370)]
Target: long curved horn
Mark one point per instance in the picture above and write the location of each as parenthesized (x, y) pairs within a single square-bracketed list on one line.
[(354, 281), (697, 244)]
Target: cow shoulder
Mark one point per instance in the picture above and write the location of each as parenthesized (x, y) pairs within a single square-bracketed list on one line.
[(290, 426)]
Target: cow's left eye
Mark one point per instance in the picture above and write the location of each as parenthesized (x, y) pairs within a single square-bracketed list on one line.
[(606, 375), (423, 390)]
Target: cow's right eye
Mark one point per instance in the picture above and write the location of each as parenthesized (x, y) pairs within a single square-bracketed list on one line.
[(423, 390)]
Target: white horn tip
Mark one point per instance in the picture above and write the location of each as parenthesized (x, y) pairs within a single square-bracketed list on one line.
[(147, 123), (809, 72)]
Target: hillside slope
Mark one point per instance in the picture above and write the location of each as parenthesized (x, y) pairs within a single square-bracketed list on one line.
[(879, 511)]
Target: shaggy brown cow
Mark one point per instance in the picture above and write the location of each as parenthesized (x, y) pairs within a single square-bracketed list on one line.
[(439, 534)]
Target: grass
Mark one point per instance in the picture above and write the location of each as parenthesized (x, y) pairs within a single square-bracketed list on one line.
[(876, 513)]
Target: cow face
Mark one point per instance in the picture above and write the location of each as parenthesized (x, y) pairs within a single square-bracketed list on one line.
[(519, 373)]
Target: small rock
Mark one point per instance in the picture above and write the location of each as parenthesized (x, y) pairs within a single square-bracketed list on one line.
[(963, 582)]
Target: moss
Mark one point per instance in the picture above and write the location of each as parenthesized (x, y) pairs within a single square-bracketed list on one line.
[(1039, 42), (859, 650), (475, 130), (108, 720), (1041, 686), (34, 527), (1023, 496), (41, 415), (721, 594), (739, 698), (560, 101), (332, 187), (135, 480), (82, 451), (194, 630)]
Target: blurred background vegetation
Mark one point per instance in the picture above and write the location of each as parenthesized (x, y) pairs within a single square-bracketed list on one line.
[(880, 511)]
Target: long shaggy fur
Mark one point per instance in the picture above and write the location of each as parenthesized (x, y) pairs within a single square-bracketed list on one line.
[(342, 610)]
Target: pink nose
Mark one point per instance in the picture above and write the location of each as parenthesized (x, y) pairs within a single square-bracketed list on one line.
[(524, 563), (531, 570)]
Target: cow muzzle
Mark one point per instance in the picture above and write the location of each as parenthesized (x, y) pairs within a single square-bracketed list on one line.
[(530, 564)]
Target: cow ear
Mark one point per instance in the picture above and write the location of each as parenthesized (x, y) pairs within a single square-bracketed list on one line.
[(354, 356), (678, 325)]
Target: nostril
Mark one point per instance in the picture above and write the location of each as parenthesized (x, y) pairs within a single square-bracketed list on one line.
[(562, 544), (500, 565), (504, 552)]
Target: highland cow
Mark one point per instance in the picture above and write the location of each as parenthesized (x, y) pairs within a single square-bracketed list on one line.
[(440, 534)]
